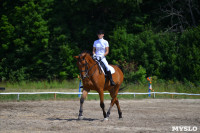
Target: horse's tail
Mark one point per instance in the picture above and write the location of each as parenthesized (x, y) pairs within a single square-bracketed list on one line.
[(121, 89)]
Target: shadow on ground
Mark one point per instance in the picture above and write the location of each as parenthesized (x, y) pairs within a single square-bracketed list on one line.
[(84, 119)]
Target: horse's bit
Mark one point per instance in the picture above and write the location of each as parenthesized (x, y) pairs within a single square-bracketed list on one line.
[(86, 75)]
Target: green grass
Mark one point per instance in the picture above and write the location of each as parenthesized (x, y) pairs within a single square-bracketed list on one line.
[(66, 85), (72, 86), (167, 86), (36, 97)]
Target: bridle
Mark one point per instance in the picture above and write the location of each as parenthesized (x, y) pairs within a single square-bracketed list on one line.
[(87, 69)]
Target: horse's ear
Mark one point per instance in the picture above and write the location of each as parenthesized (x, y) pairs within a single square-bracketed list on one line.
[(76, 57)]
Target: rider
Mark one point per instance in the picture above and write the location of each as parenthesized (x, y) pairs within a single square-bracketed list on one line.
[(100, 50)]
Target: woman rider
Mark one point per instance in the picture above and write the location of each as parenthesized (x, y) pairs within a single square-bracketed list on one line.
[(100, 50)]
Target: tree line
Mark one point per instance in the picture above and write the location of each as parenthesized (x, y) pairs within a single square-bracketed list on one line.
[(38, 38)]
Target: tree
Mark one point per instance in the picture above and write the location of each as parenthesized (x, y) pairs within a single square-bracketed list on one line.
[(180, 14), (189, 55)]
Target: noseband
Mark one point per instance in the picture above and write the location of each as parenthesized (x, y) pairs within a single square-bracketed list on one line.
[(87, 69)]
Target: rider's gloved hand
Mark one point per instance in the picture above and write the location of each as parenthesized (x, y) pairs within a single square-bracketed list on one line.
[(94, 56)]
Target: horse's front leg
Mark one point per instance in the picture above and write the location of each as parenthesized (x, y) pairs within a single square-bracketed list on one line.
[(102, 105), (80, 116)]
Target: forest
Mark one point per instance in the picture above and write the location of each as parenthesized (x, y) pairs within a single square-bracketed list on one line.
[(38, 38)]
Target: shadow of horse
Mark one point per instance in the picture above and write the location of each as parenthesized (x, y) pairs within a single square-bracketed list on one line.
[(72, 119)]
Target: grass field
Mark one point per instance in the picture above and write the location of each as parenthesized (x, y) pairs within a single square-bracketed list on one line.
[(73, 85)]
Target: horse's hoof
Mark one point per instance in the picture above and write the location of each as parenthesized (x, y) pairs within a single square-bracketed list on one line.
[(80, 117), (105, 119), (120, 119)]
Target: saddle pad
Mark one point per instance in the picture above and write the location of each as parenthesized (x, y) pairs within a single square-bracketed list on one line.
[(112, 70)]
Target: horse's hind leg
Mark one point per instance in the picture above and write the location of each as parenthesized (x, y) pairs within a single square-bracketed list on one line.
[(118, 107), (111, 105), (113, 94), (80, 116)]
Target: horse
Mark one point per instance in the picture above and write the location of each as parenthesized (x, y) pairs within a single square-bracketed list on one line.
[(94, 79)]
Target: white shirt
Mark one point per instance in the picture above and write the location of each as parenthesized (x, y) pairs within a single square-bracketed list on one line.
[(100, 46)]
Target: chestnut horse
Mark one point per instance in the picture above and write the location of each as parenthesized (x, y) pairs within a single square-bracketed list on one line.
[(94, 79)]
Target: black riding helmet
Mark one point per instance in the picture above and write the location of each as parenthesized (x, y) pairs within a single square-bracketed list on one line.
[(100, 32)]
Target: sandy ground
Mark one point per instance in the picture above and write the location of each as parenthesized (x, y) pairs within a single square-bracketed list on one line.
[(148, 115)]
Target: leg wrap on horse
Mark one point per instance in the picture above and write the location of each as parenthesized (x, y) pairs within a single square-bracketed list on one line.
[(82, 100), (102, 105), (108, 113), (120, 114), (81, 106)]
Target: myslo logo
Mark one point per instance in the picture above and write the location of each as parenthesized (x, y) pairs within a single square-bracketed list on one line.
[(184, 128)]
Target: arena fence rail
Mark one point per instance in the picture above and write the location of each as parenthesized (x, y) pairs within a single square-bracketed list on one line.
[(79, 93)]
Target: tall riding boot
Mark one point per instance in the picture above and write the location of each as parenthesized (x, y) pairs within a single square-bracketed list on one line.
[(110, 77)]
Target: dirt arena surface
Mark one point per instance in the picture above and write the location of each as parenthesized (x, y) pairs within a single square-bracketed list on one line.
[(140, 116)]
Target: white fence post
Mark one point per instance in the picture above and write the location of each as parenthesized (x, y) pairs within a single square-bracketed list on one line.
[(18, 97)]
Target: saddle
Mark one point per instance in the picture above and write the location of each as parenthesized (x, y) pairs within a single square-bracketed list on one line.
[(103, 67)]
